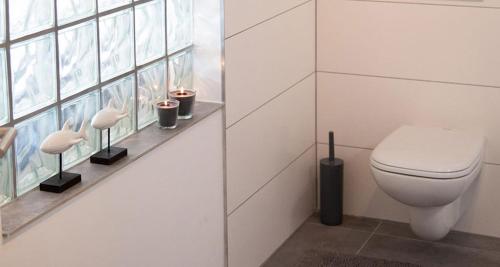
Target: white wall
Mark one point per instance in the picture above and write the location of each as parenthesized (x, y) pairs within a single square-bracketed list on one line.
[(270, 117), (158, 211), (384, 64)]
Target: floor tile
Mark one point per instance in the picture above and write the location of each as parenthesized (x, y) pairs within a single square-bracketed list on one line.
[(313, 237), (427, 253), (353, 222), (454, 237)]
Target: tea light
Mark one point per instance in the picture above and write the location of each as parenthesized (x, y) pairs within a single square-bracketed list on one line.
[(186, 100), (167, 113)]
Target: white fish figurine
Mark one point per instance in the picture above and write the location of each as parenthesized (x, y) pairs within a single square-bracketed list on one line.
[(109, 116), (60, 141)]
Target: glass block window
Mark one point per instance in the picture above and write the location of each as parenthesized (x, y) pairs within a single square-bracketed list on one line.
[(151, 80), (34, 166), (63, 60), (33, 73), (6, 186), (4, 105), (180, 24), (78, 58), (71, 10), (2, 21)]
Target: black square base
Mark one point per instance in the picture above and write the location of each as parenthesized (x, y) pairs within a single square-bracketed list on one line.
[(58, 184), (108, 158)]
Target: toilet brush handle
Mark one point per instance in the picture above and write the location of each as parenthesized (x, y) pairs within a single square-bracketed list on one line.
[(331, 145)]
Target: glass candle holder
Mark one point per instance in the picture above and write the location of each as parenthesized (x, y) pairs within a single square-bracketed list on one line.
[(186, 100), (167, 111)]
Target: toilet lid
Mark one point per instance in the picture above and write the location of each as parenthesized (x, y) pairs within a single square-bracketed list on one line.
[(429, 152)]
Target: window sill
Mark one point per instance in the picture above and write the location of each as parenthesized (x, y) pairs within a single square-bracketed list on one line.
[(33, 205)]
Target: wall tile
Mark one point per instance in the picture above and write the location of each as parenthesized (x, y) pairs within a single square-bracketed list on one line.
[(467, 3), (482, 216), (267, 59), (362, 197), (243, 14), (364, 110), (260, 226), (429, 42), (265, 142)]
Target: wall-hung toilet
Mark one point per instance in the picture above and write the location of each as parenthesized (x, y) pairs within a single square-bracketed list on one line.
[(428, 169)]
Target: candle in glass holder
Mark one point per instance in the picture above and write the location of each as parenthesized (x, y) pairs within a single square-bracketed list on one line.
[(186, 100), (167, 113)]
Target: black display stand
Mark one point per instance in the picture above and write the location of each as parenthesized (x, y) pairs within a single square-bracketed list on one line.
[(61, 181), (331, 187), (109, 155)]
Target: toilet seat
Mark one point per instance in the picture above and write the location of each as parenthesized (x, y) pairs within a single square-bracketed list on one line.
[(426, 174), (431, 153)]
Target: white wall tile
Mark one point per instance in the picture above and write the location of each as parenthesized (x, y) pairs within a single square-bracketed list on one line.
[(482, 216), (364, 110), (467, 3), (265, 142), (266, 60), (243, 14), (362, 197), (263, 223), (429, 42)]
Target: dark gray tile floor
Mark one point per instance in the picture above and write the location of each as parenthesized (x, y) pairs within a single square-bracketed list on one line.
[(387, 240)]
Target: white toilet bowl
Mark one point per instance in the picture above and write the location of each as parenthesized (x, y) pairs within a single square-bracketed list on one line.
[(428, 169)]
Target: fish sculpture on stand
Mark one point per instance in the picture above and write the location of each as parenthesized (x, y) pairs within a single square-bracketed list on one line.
[(109, 116), (58, 143), (105, 119)]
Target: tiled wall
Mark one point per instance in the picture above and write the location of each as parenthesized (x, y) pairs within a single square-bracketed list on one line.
[(429, 63), (270, 124)]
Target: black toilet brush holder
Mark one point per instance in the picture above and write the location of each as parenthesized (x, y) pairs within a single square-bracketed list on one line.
[(331, 187)]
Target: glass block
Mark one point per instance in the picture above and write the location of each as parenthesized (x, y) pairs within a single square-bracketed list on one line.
[(30, 16), (2, 21), (120, 92), (150, 31), (116, 34), (4, 103), (78, 58), (179, 24), (180, 71), (32, 165), (6, 178), (33, 74), (71, 10), (110, 4), (152, 82), (76, 111)]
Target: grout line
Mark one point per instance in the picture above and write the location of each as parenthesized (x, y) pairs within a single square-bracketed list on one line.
[(370, 237), (272, 179), (286, 240), (270, 100), (371, 149), (347, 146), (268, 19), (317, 183), (430, 4), (491, 163), (408, 79)]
